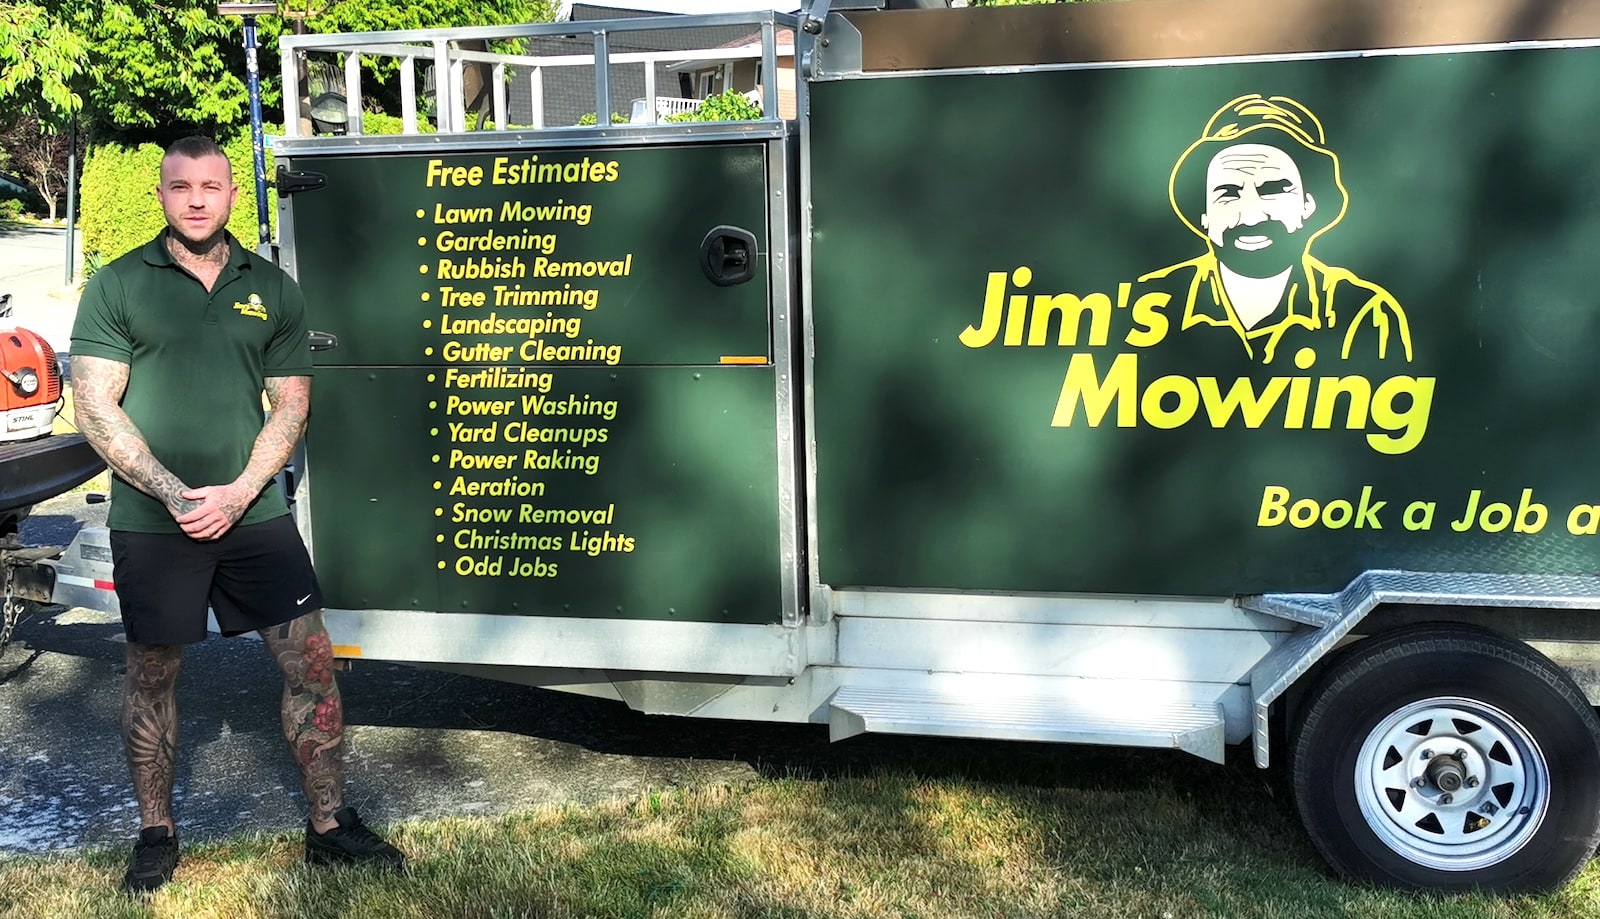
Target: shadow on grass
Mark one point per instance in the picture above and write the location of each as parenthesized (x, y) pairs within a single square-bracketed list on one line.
[(886, 844)]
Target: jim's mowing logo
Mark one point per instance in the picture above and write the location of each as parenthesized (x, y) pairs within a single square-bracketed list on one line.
[(1258, 188)]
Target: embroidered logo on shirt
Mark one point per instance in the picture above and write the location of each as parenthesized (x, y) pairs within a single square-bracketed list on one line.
[(252, 308)]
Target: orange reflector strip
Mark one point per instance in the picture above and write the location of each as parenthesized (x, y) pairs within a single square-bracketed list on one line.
[(346, 650), (741, 359)]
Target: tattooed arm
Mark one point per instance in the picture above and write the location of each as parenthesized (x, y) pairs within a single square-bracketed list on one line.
[(97, 388), (219, 507), (291, 406)]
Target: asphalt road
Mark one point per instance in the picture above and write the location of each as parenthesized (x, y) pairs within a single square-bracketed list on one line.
[(32, 270)]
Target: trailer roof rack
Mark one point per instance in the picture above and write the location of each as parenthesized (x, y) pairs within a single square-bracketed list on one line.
[(446, 49)]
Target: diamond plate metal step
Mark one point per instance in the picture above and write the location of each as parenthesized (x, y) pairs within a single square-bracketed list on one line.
[(1372, 588), (1193, 728)]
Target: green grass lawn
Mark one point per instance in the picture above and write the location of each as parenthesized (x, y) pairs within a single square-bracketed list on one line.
[(891, 844)]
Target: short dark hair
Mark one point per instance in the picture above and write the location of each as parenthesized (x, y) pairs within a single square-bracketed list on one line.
[(195, 147)]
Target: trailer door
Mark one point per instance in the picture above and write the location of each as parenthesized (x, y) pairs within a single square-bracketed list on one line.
[(555, 395)]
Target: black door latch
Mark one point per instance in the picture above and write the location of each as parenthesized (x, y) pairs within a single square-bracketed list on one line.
[(728, 256)]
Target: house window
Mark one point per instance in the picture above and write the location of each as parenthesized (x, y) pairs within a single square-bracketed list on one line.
[(705, 84)]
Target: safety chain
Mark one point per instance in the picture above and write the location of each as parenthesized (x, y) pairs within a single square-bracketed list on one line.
[(10, 610)]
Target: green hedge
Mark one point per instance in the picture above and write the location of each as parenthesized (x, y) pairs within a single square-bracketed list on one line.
[(14, 204), (379, 123), (118, 200), (728, 106), (118, 206)]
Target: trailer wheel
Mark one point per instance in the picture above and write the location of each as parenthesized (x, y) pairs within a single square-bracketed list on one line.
[(1447, 758)]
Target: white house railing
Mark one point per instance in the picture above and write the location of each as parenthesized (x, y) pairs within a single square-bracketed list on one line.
[(666, 107)]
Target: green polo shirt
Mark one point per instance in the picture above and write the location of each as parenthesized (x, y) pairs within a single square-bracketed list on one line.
[(197, 363)]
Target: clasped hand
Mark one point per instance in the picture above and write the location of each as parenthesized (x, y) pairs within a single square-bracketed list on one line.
[(219, 508)]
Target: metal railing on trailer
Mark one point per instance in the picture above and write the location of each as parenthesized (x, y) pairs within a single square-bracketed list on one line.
[(440, 48)]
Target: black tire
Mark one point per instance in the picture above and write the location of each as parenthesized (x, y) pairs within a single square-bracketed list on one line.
[(1415, 704)]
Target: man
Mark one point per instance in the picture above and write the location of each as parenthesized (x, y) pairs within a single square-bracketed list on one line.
[(173, 346), (1265, 187)]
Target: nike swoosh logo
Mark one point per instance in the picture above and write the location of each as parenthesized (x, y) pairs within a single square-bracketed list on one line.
[(302, 600)]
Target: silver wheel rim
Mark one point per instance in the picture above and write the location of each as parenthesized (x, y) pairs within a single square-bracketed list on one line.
[(1452, 784)]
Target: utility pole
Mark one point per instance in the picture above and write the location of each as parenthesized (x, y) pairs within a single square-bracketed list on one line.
[(72, 198)]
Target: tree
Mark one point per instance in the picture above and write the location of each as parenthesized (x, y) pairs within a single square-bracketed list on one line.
[(167, 63), (147, 69), (40, 56), (384, 15), (175, 66), (40, 155)]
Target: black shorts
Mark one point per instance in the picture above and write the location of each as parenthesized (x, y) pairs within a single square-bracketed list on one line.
[(254, 577)]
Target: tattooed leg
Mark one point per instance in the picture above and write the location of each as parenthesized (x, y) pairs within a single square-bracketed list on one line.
[(313, 715), (150, 727)]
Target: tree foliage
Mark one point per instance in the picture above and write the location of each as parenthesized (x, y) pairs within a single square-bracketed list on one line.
[(174, 62), (590, 119), (39, 155), (40, 57), (152, 68), (383, 15)]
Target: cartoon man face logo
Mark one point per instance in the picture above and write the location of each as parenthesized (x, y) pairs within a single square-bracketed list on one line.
[(1261, 186), (252, 307), (1255, 204)]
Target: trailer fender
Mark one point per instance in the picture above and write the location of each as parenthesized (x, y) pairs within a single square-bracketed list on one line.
[(1329, 618)]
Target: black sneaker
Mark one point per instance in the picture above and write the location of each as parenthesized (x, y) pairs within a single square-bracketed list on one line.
[(155, 856), (351, 843)]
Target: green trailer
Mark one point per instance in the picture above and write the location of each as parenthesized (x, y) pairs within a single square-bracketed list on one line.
[(1150, 373)]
